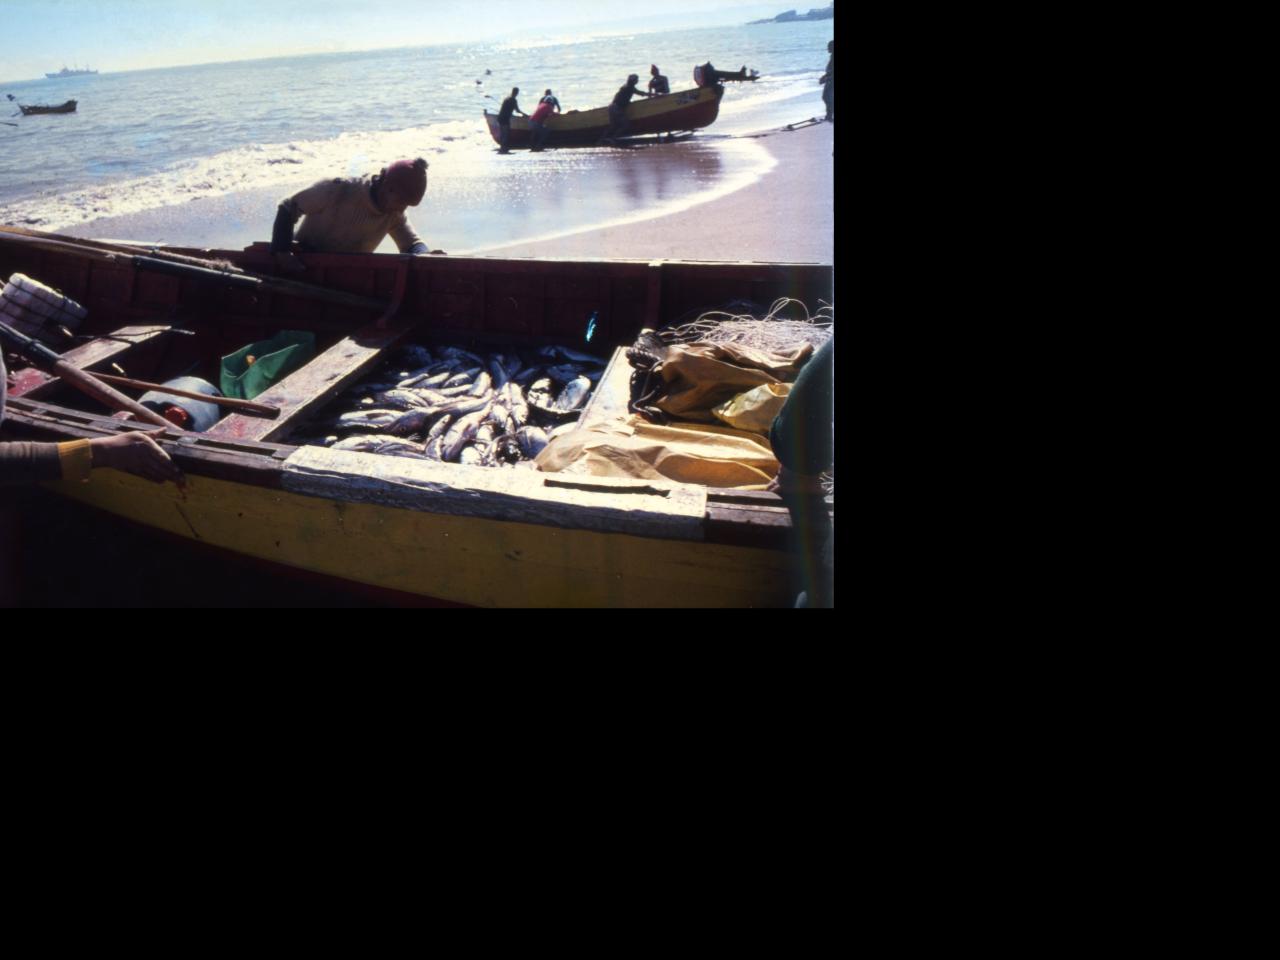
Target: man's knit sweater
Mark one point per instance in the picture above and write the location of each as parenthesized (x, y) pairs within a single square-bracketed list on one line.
[(22, 463), (339, 217)]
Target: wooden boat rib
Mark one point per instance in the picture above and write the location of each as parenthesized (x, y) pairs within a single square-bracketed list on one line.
[(417, 530), (68, 107), (685, 110)]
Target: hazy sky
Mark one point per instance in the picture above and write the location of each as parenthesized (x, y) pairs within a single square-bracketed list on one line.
[(39, 36)]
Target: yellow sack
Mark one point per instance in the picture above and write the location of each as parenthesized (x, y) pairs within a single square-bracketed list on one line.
[(704, 375), (713, 456), (755, 409)]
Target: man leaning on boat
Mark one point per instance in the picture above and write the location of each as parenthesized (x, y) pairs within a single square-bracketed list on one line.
[(352, 214)]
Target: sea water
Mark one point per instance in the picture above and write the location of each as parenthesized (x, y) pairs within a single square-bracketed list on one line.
[(149, 140)]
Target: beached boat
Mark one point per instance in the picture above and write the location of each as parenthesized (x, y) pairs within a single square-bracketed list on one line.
[(68, 107), (671, 113), (423, 531)]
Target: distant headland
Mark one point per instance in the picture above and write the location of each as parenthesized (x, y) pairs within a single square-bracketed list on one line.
[(825, 13)]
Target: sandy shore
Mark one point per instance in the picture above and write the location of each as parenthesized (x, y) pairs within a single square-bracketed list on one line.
[(788, 216), (767, 197)]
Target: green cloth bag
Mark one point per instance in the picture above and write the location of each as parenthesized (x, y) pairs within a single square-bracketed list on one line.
[(275, 359)]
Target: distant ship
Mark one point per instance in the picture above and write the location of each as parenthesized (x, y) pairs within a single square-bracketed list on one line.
[(64, 72)]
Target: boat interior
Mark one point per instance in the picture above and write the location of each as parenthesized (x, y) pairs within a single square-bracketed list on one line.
[(152, 319)]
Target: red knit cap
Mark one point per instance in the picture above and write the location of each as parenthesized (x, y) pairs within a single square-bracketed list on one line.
[(409, 179)]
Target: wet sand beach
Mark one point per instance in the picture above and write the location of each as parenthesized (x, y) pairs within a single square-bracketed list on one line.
[(787, 215), (767, 196)]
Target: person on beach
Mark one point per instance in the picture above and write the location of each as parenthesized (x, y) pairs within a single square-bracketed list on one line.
[(509, 106), (618, 109), (803, 440), (352, 215), (658, 84), (828, 81), (538, 131), (549, 97)]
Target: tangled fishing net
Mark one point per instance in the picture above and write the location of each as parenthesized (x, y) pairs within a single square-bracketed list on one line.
[(784, 328)]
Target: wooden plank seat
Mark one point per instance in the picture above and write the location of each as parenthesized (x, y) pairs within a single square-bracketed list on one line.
[(34, 383), (300, 393)]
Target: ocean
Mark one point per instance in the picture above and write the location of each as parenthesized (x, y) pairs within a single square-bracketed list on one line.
[(147, 141)]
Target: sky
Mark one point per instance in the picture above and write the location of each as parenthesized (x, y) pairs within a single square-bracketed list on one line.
[(39, 36)]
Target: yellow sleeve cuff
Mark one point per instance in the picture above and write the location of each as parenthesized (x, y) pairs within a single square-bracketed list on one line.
[(76, 459)]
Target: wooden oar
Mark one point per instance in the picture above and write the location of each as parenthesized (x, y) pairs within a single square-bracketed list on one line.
[(251, 281), (248, 406), (48, 361)]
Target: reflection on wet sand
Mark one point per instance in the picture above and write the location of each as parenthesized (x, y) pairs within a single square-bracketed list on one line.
[(480, 200)]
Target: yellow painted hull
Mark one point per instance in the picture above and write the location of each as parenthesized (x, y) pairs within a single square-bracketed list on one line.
[(479, 562)]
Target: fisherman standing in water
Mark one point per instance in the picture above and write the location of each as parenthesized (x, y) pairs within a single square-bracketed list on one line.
[(658, 84), (509, 106), (618, 109), (828, 81)]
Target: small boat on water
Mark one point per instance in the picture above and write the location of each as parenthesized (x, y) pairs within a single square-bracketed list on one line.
[(68, 107), (670, 113), (410, 530)]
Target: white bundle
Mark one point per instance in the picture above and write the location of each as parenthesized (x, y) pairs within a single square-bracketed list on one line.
[(36, 310)]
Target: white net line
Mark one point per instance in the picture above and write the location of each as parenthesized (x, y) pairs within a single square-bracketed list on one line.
[(787, 326)]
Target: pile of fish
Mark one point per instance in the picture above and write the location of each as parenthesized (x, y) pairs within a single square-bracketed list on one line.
[(454, 405)]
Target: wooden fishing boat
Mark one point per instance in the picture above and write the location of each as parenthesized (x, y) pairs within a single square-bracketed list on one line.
[(422, 531), (673, 112), (68, 107)]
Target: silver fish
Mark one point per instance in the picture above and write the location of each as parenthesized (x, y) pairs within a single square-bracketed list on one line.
[(439, 427), (570, 371), (531, 440), (434, 449), (540, 393), (455, 391), (527, 374), (398, 400), (458, 379), (483, 384), (465, 405), (471, 456), (461, 433), (498, 413), (485, 433), (367, 419), (567, 356), (499, 373), (412, 380), (379, 443), (410, 422), (432, 398), (564, 372), (574, 395), (517, 404)]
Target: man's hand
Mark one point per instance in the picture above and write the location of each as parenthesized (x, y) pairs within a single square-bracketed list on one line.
[(136, 453)]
